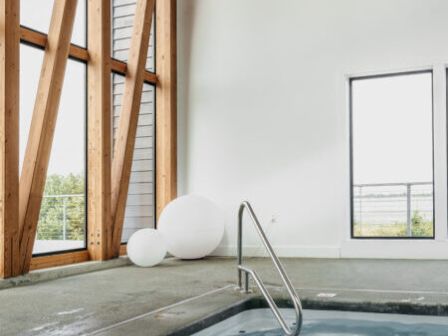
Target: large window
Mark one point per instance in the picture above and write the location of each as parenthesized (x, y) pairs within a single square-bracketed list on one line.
[(392, 156), (140, 205), (62, 218), (62, 221), (56, 213)]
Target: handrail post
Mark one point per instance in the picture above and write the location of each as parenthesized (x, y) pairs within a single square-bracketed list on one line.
[(64, 218), (240, 247), (408, 210), (289, 287)]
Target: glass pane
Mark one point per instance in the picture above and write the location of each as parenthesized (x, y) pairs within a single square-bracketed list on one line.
[(123, 12), (140, 203), (62, 216), (392, 156), (30, 65), (37, 15)]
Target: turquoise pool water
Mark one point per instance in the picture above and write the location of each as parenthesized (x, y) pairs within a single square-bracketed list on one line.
[(260, 322)]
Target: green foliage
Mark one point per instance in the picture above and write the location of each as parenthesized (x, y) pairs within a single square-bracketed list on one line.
[(420, 228), (63, 201)]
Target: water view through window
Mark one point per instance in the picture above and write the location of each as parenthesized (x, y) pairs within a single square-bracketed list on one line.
[(392, 156)]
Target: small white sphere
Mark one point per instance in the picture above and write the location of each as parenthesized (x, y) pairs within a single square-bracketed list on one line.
[(193, 227), (146, 248)]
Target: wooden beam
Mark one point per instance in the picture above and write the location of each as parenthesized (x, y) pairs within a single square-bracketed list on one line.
[(37, 154), (78, 53), (9, 137), (33, 37), (125, 139), (150, 78), (123, 249), (40, 40), (99, 133), (166, 104), (121, 68), (59, 260)]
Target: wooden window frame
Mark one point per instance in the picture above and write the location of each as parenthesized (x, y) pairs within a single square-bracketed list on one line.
[(38, 39), (97, 59)]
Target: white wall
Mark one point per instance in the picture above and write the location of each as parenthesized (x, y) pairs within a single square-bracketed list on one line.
[(263, 113)]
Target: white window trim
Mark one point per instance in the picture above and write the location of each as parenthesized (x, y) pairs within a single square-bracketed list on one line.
[(436, 248)]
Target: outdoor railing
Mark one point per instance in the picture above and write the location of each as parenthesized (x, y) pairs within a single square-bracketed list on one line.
[(62, 217), (393, 204)]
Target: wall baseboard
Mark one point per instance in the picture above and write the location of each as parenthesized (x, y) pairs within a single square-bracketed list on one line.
[(353, 249), (395, 249)]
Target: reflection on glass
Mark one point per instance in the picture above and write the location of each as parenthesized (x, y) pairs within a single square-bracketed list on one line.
[(140, 202), (36, 14), (392, 156), (62, 220)]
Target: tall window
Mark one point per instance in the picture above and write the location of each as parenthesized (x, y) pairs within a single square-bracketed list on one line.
[(37, 16), (62, 219), (392, 156), (140, 205)]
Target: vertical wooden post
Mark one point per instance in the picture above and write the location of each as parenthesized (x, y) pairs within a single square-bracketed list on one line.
[(9, 137), (166, 104), (100, 127), (127, 127), (40, 139)]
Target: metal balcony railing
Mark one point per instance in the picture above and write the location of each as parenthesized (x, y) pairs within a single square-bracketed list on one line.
[(62, 217), (392, 203)]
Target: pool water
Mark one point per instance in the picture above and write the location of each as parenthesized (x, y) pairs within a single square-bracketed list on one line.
[(260, 322)]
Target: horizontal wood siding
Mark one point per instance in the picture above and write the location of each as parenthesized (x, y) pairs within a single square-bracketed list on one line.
[(123, 20), (140, 206)]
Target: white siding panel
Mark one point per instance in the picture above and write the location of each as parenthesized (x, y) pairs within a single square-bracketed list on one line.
[(142, 165), (142, 142), (122, 23), (138, 222), (142, 199), (139, 177), (143, 154), (133, 211), (140, 188)]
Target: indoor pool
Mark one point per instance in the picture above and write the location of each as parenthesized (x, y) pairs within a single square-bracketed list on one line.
[(260, 322)]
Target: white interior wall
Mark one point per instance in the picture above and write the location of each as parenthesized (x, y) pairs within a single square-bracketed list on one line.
[(263, 111)]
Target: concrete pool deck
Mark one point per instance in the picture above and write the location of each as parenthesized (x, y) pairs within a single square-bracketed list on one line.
[(129, 300)]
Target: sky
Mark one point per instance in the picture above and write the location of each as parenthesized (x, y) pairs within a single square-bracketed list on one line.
[(68, 151), (36, 14), (392, 129)]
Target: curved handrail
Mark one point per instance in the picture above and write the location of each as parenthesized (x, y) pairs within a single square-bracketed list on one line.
[(247, 271)]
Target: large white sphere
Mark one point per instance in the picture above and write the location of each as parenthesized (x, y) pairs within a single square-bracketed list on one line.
[(193, 227), (146, 248)]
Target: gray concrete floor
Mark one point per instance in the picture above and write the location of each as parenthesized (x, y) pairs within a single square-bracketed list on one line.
[(91, 303)]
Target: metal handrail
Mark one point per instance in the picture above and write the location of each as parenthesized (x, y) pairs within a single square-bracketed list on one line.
[(247, 271)]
